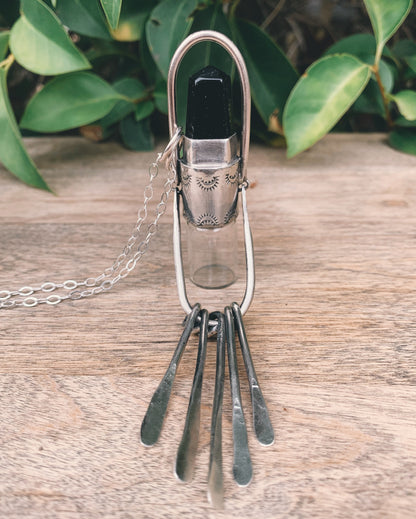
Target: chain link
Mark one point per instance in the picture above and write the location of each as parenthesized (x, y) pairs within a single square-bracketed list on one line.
[(124, 263)]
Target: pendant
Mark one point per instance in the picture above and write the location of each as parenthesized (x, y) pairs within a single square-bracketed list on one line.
[(212, 182)]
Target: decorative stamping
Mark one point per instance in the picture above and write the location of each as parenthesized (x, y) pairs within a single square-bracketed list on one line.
[(207, 220), (207, 184), (231, 178), (185, 179), (229, 215)]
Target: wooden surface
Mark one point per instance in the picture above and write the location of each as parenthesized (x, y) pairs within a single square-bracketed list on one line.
[(332, 330)]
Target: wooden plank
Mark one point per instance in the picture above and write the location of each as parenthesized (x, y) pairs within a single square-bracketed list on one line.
[(331, 328)]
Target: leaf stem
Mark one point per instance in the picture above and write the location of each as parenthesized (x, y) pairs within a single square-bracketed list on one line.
[(379, 52), (233, 8), (384, 96), (7, 63)]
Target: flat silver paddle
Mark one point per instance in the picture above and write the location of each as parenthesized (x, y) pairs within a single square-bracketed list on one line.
[(261, 419), (242, 468), (185, 459), (215, 474), (155, 414)]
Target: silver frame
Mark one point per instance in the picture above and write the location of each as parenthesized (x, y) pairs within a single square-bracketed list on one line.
[(229, 46)]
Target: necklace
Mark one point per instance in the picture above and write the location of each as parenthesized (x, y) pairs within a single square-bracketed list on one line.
[(125, 262), (207, 174)]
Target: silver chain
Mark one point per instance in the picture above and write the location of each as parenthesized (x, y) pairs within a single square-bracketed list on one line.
[(124, 263)]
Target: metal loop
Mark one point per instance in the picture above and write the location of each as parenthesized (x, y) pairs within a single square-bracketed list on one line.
[(153, 170), (148, 192), (124, 272), (53, 300), (107, 284), (30, 301), (47, 287), (245, 184), (175, 139), (26, 291), (142, 248), (70, 284), (142, 214), (161, 208), (213, 323), (229, 46), (152, 228)]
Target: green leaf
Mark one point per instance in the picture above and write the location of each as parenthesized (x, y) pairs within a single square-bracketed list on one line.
[(386, 17), (143, 110), (411, 61), (4, 43), (406, 50), (112, 10), (321, 97), (359, 45), (386, 75), (151, 70), (161, 97), (272, 76), (105, 49), (403, 139), (68, 102), (40, 43), (84, 17), (405, 123), (12, 151), (370, 101), (130, 88), (169, 24), (133, 17), (406, 103), (136, 135)]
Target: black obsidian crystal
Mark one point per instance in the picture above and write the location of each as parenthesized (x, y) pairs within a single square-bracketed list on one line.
[(208, 113)]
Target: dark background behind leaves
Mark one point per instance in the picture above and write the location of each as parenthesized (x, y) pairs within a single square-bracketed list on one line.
[(303, 29)]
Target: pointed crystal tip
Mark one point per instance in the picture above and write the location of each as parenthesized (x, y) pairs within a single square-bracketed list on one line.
[(209, 105)]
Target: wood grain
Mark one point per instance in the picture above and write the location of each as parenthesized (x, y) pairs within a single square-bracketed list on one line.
[(332, 331)]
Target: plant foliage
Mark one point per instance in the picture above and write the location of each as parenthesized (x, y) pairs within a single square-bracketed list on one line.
[(101, 67)]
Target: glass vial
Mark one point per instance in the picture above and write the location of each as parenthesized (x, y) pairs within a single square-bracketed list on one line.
[(212, 255)]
